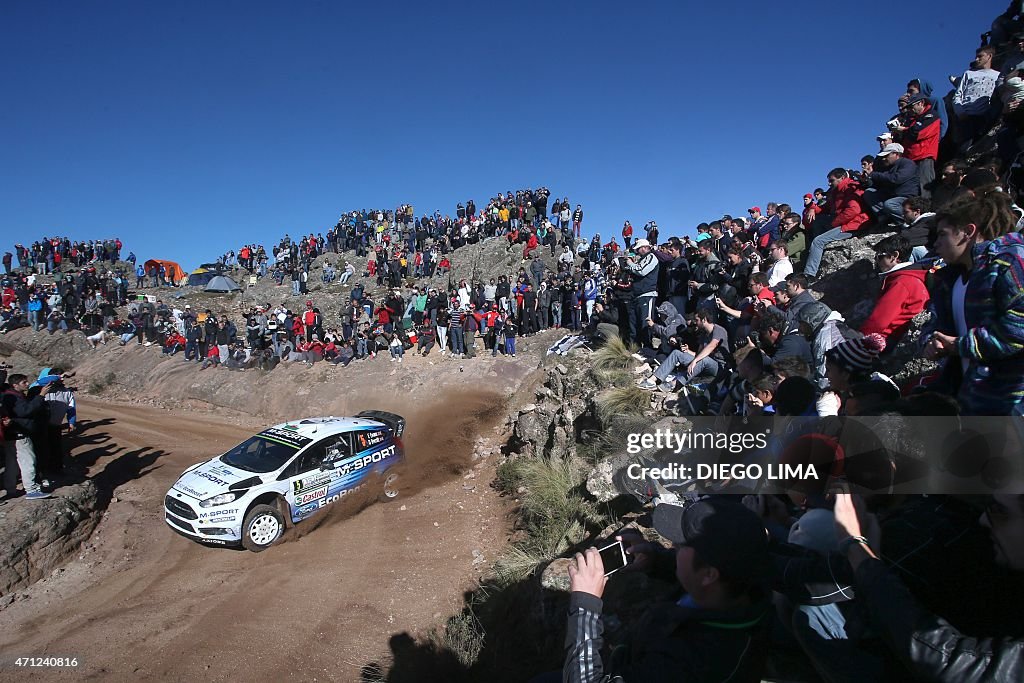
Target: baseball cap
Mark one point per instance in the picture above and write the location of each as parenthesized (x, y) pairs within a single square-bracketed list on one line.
[(753, 209), (701, 236), (808, 196), (884, 136), (890, 148), (918, 97), (728, 536), (641, 243)]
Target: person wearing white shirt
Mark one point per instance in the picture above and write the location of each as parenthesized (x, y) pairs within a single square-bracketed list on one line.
[(781, 265)]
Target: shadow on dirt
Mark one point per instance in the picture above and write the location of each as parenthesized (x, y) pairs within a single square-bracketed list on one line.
[(516, 633), (118, 466)]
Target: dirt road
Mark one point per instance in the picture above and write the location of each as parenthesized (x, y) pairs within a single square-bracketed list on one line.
[(141, 603)]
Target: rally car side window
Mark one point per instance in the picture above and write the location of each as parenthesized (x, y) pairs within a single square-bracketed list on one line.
[(339, 450), (318, 454)]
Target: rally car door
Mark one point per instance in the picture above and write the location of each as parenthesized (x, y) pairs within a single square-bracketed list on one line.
[(310, 481)]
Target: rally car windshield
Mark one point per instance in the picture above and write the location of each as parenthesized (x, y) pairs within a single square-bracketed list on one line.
[(259, 454)]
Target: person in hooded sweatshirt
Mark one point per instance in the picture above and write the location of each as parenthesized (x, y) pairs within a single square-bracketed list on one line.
[(663, 327), (903, 294)]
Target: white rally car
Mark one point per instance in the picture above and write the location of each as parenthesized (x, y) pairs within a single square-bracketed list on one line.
[(288, 471)]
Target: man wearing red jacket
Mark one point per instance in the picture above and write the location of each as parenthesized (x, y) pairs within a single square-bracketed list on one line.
[(531, 245), (844, 202), (310, 319), (903, 295), (920, 137), (811, 211)]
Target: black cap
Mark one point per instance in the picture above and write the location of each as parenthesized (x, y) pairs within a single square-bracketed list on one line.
[(728, 536)]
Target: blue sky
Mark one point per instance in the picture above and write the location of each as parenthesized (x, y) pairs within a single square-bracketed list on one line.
[(188, 128)]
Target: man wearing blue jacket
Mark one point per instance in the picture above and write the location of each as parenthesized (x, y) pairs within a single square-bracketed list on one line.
[(890, 186)]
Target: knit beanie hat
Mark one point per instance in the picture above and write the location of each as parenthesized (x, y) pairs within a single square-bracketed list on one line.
[(858, 355)]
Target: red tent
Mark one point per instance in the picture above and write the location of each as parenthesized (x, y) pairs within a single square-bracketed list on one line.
[(173, 271)]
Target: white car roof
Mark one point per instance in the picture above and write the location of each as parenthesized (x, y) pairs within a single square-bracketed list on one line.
[(319, 427)]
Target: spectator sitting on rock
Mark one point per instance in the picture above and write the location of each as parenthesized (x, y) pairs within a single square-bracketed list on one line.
[(781, 264), (175, 342), (780, 341), (795, 298), (888, 186), (716, 632), (903, 294), (821, 327), (846, 364), (920, 227), (847, 207), (711, 356)]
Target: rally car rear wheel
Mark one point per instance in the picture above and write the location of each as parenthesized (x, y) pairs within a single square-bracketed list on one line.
[(389, 489), (262, 527)]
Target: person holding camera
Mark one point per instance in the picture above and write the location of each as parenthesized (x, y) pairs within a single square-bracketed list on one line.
[(716, 632)]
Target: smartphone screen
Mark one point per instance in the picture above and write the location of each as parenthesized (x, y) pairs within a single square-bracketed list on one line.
[(614, 557)]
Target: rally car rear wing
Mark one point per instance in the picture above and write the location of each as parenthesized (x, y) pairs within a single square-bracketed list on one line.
[(395, 422)]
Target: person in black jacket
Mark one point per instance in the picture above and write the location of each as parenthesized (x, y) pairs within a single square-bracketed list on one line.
[(928, 646), (29, 418), (888, 187), (716, 632)]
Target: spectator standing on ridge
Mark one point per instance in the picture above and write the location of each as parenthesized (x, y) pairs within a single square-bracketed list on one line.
[(644, 268), (972, 98), (28, 419)]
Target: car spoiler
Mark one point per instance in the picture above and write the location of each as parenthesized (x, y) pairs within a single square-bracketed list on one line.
[(395, 422)]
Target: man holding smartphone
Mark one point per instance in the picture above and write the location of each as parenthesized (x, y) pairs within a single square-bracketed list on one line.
[(716, 631)]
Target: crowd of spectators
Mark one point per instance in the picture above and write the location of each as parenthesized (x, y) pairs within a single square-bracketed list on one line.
[(866, 586), (726, 322)]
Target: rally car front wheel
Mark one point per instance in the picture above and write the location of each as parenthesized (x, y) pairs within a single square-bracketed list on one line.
[(262, 527)]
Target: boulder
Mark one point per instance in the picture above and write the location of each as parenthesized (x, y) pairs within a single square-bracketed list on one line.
[(38, 536)]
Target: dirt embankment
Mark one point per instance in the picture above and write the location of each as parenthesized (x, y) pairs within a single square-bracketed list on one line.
[(144, 374)]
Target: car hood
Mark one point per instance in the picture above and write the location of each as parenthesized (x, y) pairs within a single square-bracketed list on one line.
[(209, 479)]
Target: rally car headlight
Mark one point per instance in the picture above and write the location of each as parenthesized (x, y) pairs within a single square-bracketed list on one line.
[(222, 499)]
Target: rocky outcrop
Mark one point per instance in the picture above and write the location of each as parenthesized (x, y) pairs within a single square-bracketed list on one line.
[(609, 479), (36, 538), (548, 426)]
